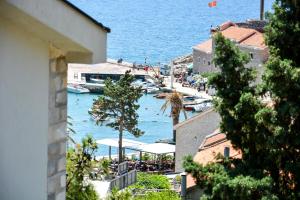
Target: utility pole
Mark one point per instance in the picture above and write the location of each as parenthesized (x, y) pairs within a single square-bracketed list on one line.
[(262, 8)]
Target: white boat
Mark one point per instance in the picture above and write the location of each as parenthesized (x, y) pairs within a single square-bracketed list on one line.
[(151, 90), (95, 80), (202, 106), (74, 88)]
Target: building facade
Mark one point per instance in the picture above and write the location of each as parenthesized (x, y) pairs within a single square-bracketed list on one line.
[(38, 38), (191, 133), (249, 39)]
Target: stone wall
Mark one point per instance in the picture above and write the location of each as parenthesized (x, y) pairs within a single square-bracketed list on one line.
[(202, 62), (191, 133), (258, 58), (56, 182)]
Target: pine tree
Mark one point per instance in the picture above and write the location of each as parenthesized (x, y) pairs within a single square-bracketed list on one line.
[(117, 107), (281, 81)]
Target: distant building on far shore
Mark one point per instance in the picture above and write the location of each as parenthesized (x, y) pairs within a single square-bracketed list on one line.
[(247, 36)]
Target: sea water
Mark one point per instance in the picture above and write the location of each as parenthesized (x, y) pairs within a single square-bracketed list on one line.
[(157, 30), (155, 123), (160, 30)]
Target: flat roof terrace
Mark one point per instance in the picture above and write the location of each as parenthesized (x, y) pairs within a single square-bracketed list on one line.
[(109, 67)]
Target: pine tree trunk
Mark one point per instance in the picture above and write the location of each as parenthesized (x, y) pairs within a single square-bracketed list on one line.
[(120, 145)]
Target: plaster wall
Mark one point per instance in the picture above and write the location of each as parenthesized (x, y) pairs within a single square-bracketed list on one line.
[(24, 75), (69, 30), (191, 133)]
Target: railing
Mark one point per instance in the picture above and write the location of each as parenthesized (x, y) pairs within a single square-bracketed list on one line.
[(124, 180)]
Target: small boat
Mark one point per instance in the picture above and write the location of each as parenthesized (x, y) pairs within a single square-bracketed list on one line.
[(151, 90), (194, 102), (161, 95), (74, 88), (95, 87), (95, 80), (203, 106)]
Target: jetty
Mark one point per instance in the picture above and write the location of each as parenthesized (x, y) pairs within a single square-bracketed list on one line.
[(81, 73)]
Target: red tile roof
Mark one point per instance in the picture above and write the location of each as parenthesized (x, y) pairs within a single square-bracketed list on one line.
[(243, 36), (205, 46)]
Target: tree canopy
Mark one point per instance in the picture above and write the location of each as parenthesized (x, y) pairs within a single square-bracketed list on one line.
[(268, 134), (117, 107)]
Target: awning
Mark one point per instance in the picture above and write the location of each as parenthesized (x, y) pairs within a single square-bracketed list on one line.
[(157, 148), (126, 143)]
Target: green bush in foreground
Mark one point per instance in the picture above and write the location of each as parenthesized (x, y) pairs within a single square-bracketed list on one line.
[(165, 195), (79, 164), (151, 181)]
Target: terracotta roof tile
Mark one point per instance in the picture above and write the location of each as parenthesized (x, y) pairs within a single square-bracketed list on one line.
[(212, 146), (205, 46), (256, 40)]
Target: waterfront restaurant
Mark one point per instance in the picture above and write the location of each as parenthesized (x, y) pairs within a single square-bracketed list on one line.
[(38, 38)]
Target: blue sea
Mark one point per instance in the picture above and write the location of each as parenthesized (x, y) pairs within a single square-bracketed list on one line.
[(155, 123), (158, 30)]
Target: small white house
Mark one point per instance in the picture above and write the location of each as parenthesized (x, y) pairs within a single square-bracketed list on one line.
[(38, 38)]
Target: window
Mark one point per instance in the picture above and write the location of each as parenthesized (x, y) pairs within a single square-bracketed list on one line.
[(251, 55), (204, 61), (208, 62), (199, 60), (75, 75)]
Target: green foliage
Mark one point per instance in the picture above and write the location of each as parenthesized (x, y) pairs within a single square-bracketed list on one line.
[(104, 166), (164, 195), (225, 182), (151, 181), (146, 157), (117, 107), (283, 31), (207, 74), (119, 195), (79, 164), (237, 103), (268, 135)]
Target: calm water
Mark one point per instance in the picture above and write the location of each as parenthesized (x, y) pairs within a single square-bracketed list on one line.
[(158, 30), (155, 124), (163, 29)]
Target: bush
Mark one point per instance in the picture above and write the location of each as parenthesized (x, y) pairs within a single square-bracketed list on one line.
[(151, 181), (165, 195), (79, 165)]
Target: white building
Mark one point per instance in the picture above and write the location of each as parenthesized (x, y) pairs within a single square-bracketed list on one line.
[(37, 40), (191, 133)]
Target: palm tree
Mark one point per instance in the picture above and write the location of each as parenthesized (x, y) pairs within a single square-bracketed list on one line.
[(175, 100)]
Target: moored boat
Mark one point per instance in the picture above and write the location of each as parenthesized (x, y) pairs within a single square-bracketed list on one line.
[(75, 88)]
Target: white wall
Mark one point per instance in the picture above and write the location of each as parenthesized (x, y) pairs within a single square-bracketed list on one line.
[(191, 133), (24, 81), (76, 31)]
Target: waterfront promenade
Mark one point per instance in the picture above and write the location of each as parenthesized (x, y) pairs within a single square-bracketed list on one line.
[(185, 90)]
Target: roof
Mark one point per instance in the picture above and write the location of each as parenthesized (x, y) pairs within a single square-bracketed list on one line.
[(213, 145), (157, 148), (87, 16), (114, 142), (243, 35), (107, 68), (205, 46)]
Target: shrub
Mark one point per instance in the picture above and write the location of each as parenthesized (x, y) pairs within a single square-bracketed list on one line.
[(151, 181), (165, 195)]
